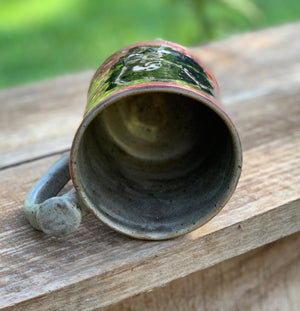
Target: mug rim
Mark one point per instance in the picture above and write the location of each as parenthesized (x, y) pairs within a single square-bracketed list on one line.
[(165, 87)]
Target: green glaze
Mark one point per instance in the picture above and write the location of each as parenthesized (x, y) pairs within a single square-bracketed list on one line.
[(145, 64)]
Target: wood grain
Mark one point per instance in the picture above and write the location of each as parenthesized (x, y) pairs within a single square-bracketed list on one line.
[(41, 119), (96, 267), (260, 280)]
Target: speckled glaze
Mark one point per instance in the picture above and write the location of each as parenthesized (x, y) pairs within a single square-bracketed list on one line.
[(138, 160)]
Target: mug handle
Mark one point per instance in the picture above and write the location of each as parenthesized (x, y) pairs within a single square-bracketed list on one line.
[(54, 215)]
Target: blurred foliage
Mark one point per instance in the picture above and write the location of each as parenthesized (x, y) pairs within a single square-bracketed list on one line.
[(40, 39)]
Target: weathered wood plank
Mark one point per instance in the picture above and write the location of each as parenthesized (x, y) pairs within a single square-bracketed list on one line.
[(41, 119), (260, 280), (96, 267), (104, 267)]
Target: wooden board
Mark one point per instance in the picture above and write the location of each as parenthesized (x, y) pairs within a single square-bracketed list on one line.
[(261, 279), (95, 267)]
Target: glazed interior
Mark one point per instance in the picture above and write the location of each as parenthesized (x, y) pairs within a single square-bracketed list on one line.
[(157, 164)]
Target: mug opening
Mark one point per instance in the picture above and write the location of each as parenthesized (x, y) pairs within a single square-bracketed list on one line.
[(156, 164)]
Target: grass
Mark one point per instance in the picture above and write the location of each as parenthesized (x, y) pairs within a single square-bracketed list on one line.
[(42, 39)]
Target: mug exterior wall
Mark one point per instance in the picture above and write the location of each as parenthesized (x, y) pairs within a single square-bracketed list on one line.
[(149, 64)]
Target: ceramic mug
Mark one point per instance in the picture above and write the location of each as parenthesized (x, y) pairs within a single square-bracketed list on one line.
[(155, 156)]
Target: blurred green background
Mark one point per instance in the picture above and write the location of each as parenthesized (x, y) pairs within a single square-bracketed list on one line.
[(42, 39)]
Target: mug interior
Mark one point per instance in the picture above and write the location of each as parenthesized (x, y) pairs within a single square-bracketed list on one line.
[(157, 164)]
